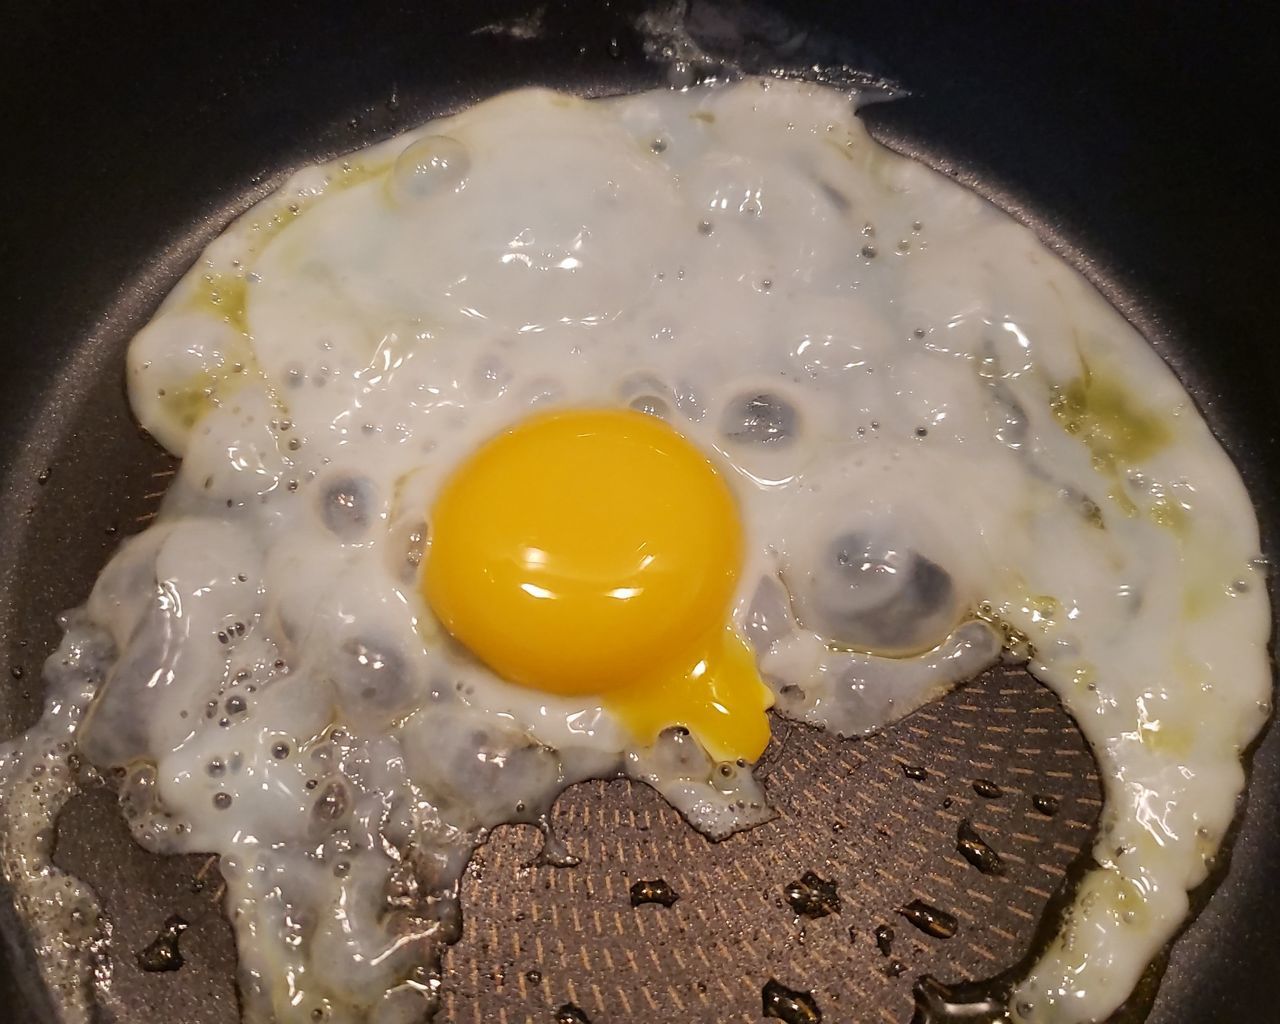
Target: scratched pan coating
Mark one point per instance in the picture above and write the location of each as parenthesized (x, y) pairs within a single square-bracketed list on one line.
[(137, 171)]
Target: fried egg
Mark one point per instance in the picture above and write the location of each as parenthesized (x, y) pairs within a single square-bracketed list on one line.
[(559, 439)]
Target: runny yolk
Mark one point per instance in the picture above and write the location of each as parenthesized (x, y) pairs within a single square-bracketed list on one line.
[(597, 552)]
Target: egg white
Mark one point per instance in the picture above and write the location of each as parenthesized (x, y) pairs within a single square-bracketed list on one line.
[(281, 695)]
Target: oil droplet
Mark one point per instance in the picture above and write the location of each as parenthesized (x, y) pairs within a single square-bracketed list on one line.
[(977, 851), (937, 1003), (1046, 805), (812, 896), (571, 1013), (929, 919), (884, 939), (656, 891), (914, 772), (533, 977), (987, 789), (789, 1005), (163, 953)]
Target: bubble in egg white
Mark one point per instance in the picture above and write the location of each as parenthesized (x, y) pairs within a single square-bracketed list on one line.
[(717, 799), (871, 592), (349, 505), (760, 417), (429, 167)]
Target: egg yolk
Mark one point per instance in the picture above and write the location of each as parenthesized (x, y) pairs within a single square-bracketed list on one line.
[(597, 552)]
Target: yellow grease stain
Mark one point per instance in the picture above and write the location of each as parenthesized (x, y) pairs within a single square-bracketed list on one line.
[(266, 229), (1207, 573), (1162, 738), (1121, 500), (1044, 608), (1115, 428), (189, 404), (1118, 433), (351, 175), (204, 392), (1171, 516), (844, 149), (345, 176), (224, 297)]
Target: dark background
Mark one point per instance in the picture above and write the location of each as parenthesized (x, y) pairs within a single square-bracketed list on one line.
[(1133, 136)]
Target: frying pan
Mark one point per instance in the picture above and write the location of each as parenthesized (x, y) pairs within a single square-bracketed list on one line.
[(1130, 137)]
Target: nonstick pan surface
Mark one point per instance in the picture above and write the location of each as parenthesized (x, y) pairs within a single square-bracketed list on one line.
[(1130, 136)]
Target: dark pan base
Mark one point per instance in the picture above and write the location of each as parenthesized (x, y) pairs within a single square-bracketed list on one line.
[(136, 133)]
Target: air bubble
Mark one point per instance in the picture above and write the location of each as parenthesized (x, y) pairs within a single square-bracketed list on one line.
[(688, 402), (348, 506), (870, 591), (492, 378), (651, 405), (434, 166), (332, 803), (372, 680), (681, 75), (760, 418)]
